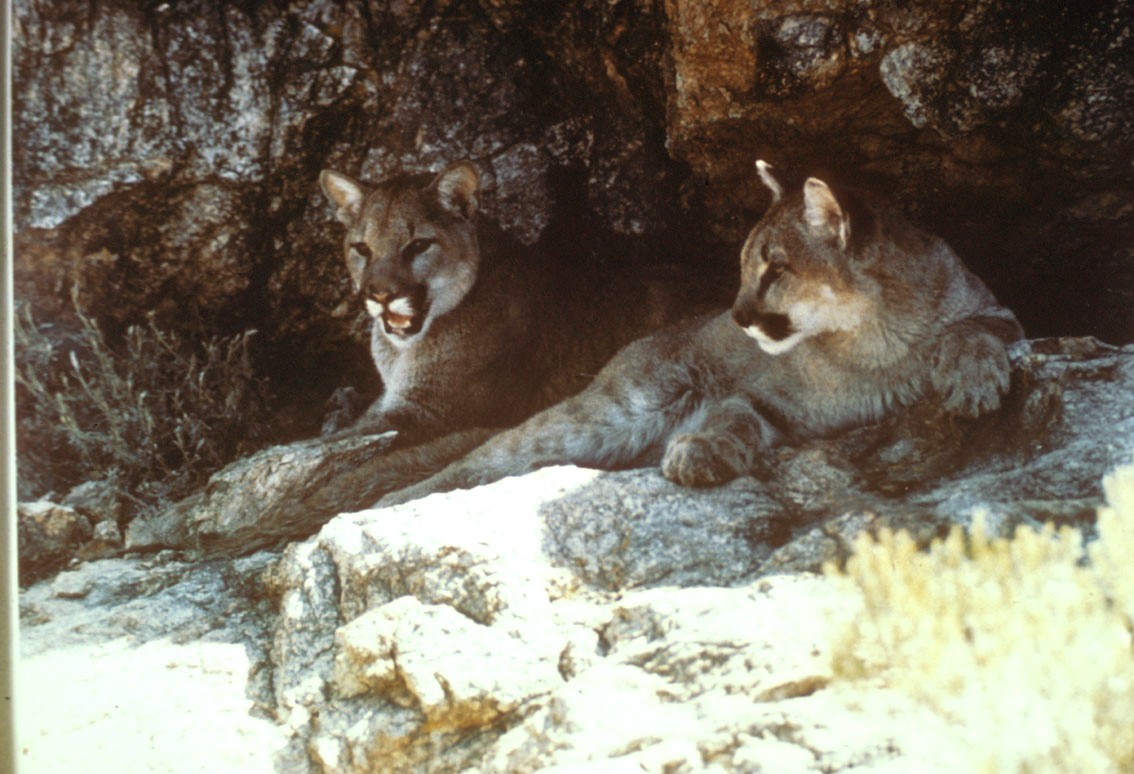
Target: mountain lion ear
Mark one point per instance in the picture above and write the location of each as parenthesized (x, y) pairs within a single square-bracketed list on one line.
[(823, 213), (345, 193), (763, 169), (457, 187)]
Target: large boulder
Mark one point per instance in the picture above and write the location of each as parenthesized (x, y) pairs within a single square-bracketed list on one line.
[(440, 637)]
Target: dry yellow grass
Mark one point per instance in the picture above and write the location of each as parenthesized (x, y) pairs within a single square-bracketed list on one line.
[(1023, 644)]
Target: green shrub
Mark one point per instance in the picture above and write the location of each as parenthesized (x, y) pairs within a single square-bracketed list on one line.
[(1024, 645), (153, 412)]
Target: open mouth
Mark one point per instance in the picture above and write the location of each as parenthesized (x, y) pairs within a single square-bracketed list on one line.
[(402, 324), (402, 316)]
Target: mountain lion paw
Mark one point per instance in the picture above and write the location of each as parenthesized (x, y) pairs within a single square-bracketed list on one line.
[(971, 373), (695, 459)]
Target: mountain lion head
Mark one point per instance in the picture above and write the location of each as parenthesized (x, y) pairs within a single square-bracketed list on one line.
[(797, 274), (410, 247)]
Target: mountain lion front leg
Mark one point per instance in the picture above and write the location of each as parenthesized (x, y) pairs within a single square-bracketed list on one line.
[(411, 423), (969, 368), (728, 444), (562, 434), (622, 418), (367, 423)]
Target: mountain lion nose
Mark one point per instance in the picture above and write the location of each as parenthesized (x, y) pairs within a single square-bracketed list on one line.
[(741, 316), (745, 312)]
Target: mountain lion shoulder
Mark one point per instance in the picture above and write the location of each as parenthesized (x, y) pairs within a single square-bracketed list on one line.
[(846, 313), (467, 332)]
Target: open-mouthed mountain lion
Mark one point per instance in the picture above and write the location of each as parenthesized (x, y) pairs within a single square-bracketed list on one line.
[(467, 331)]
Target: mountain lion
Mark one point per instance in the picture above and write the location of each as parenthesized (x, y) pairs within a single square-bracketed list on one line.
[(467, 331), (846, 313)]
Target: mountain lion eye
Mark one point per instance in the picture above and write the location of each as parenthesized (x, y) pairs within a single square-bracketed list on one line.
[(362, 249), (417, 247)]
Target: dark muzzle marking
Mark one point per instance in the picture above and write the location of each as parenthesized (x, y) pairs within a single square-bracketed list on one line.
[(777, 327)]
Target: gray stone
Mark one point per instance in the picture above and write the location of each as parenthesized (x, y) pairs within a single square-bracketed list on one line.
[(634, 529), (556, 674), (286, 492), (117, 648), (72, 585), (143, 600), (910, 73), (97, 500), (108, 532), (49, 535)]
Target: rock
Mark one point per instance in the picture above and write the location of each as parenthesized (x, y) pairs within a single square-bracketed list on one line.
[(419, 656), (99, 501), (72, 585), (523, 667), (115, 648), (106, 541), (452, 619), (476, 581), (581, 620), (268, 488), (108, 532), (49, 535), (143, 600), (286, 492), (634, 529), (643, 594)]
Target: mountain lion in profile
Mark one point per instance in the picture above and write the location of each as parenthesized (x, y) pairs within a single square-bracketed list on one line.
[(846, 313), (466, 332)]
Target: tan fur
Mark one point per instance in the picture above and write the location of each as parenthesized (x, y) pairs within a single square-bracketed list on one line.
[(468, 331), (840, 321)]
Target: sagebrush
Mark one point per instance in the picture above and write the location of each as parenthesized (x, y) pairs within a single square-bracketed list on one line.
[(1024, 645), (154, 412)]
